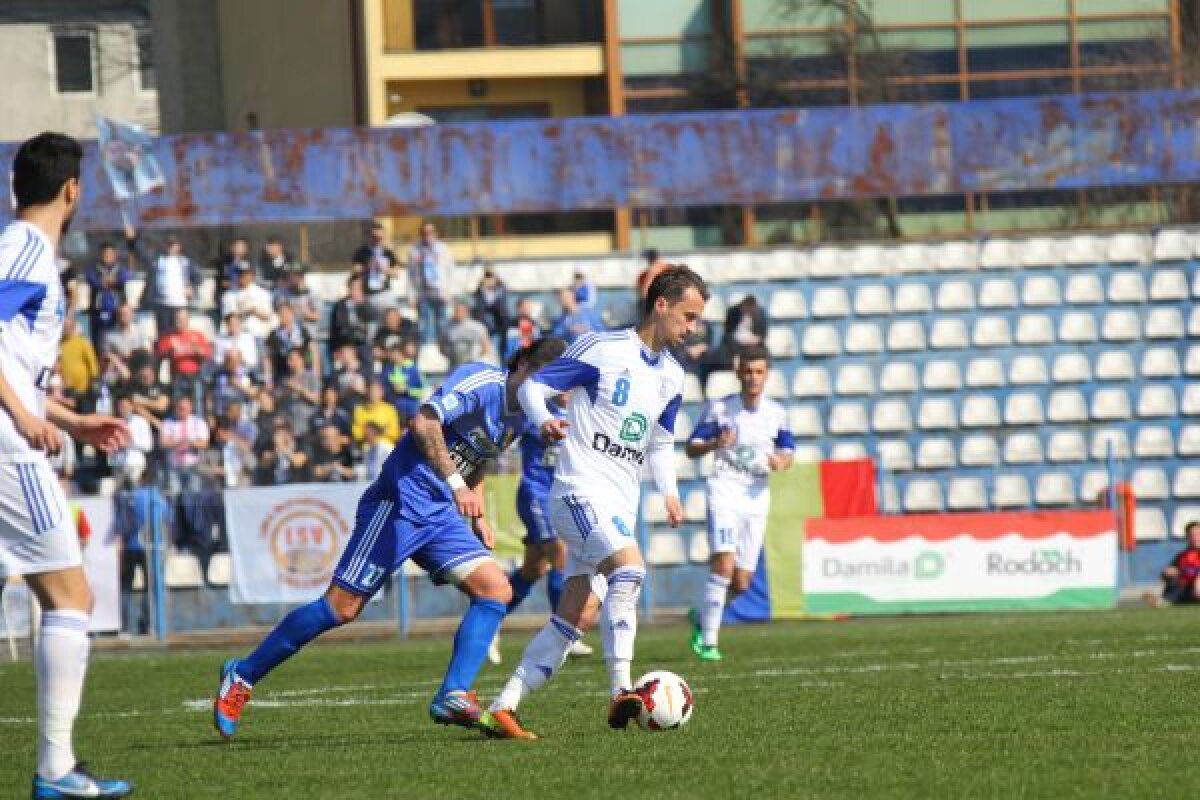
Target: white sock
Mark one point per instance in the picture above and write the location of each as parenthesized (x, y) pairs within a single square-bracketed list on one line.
[(716, 589), (624, 588), (60, 660), (542, 658)]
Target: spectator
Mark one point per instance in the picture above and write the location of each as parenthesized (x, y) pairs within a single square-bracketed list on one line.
[(376, 409), (236, 260), (78, 365), (376, 264), (149, 397), (348, 376), (655, 264), (290, 335), (745, 325), (125, 339), (574, 321), (274, 262), (233, 382), (491, 308), (228, 463), (376, 448), (524, 331), (298, 391), (184, 437), (185, 349), (331, 460), (586, 295), (172, 282), (1180, 576), (108, 278), (296, 293), (403, 379), (351, 318), (465, 338), (238, 435), (282, 462), (269, 418), (135, 513), (251, 302), (130, 463), (393, 331), (330, 413), (429, 265), (236, 337)]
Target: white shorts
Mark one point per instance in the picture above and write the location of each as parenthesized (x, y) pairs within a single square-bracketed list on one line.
[(37, 532), (732, 531), (590, 531)]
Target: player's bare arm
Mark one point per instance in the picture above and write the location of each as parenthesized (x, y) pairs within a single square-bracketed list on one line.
[(697, 448), (42, 434), (427, 433), (109, 434)]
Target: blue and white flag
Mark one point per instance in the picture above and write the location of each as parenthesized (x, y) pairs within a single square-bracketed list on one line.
[(126, 151)]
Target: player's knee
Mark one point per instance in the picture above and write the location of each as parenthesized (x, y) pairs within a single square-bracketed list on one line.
[(722, 565), (346, 607), (740, 582)]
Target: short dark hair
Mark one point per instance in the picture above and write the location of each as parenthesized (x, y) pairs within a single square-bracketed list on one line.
[(1187, 529), (42, 166), (671, 283), (754, 352), (539, 353)]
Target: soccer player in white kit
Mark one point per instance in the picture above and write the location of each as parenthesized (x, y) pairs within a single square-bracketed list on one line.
[(624, 391), (37, 534), (749, 434)]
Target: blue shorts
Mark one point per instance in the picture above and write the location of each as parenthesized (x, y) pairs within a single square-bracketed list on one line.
[(534, 510), (389, 530)]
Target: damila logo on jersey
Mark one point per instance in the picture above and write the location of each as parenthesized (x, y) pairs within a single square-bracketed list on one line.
[(605, 444), (633, 428)]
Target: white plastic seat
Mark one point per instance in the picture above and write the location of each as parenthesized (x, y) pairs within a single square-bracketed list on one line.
[(830, 302), (781, 342), (714, 309), (1173, 245), (873, 300), (1193, 326), (1077, 327), (847, 451), (1128, 248), (864, 337), (855, 379), (979, 450), (1023, 448), (1011, 491), (1083, 249), (1084, 290), (665, 550), (787, 304), (1154, 442), (431, 360), (991, 332), (1035, 329), (954, 256), (966, 494), (847, 418), (956, 296), (182, 571), (220, 569), (811, 382), (998, 254), (698, 552), (913, 298), (998, 293), (1092, 485), (1191, 400), (1066, 446), (826, 262), (1071, 368), (891, 416), (1161, 362), (807, 453), (1149, 524), (905, 335), (1028, 370), (1191, 362), (821, 340), (1127, 287), (1150, 483), (1055, 489), (942, 375), (895, 455), (867, 259), (1041, 291), (776, 388), (1110, 404), (936, 453), (693, 392), (1157, 400), (1196, 285), (806, 421), (1121, 325), (1110, 439), (1114, 365), (1066, 405), (685, 468), (913, 258), (937, 414), (1169, 284), (980, 411), (1166, 323), (898, 377), (923, 496), (1023, 408), (721, 383), (1041, 251), (1187, 482), (1189, 440), (1184, 516), (948, 333), (985, 373), (695, 506)]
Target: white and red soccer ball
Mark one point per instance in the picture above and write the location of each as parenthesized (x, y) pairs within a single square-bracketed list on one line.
[(666, 701)]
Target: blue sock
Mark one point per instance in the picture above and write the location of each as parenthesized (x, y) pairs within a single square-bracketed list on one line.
[(475, 633), (297, 629), (554, 586), (520, 589)]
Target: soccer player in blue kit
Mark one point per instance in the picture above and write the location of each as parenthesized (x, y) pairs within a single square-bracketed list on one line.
[(425, 505)]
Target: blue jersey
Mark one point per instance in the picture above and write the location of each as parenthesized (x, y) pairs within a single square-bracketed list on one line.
[(537, 459)]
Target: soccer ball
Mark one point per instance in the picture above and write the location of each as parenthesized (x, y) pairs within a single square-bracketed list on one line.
[(666, 701)]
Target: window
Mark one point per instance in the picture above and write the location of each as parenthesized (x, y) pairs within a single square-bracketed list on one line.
[(73, 62), (147, 78)]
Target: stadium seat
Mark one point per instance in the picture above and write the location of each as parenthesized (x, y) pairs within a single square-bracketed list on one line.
[(1121, 325), (1084, 290), (966, 494), (990, 332), (781, 342), (1011, 491), (721, 383), (863, 337), (1077, 327), (937, 414), (1066, 405), (1023, 448), (1041, 291), (855, 379), (985, 373), (898, 377), (695, 506), (895, 455), (811, 382), (954, 256), (997, 254), (1193, 326), (1040, 251), (846, 418), (1167, 323), (1184, 515), (821, 340), (685, 468), (1157, 400), (1055, 489), (665, 550), (942, 375), (1083, 249), (891, 416), (1028, 370), (776, 388), (906, 335), (872, 300), (1149, 524), (1023, 408), (1161, 362), (787, 304), (980, 411), (1150, 483), (913, 258), (936, 453), (202, 324), (956, 296), (1035, 329), (1187, 482), (431, 360), (220, 569), (1169, 284), (182, 571), (1189, 440), (868, 259), (1191, 362), (654, 509), (782, 265), (693, 392), (1127, 287), (148, 325), (1191, 400), (1154, 442), (805, 421), (1173, 245), (1094, 482), (847, 451), (979, 450), (1110, 404), (698, 552), (948, 333), (808, 453), (1128, 248), (134, 289), (1114, 439), (830, 302), (714, 309), (1071, 368), (913, 298), (1114, 365), (923, 496), (826, 262), (1065, 447), (998, 293)]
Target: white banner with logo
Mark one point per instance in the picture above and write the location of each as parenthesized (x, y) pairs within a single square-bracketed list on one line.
[(961, 562), (285, 541), (101, 561)]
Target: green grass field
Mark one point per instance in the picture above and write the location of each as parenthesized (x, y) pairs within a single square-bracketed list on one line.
[(1080, 705)]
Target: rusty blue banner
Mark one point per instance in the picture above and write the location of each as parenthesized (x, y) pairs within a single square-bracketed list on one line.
[(709, 158)]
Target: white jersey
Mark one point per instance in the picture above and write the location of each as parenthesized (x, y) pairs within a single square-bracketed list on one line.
[(741, 470), (32, 308), (624, 398)]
